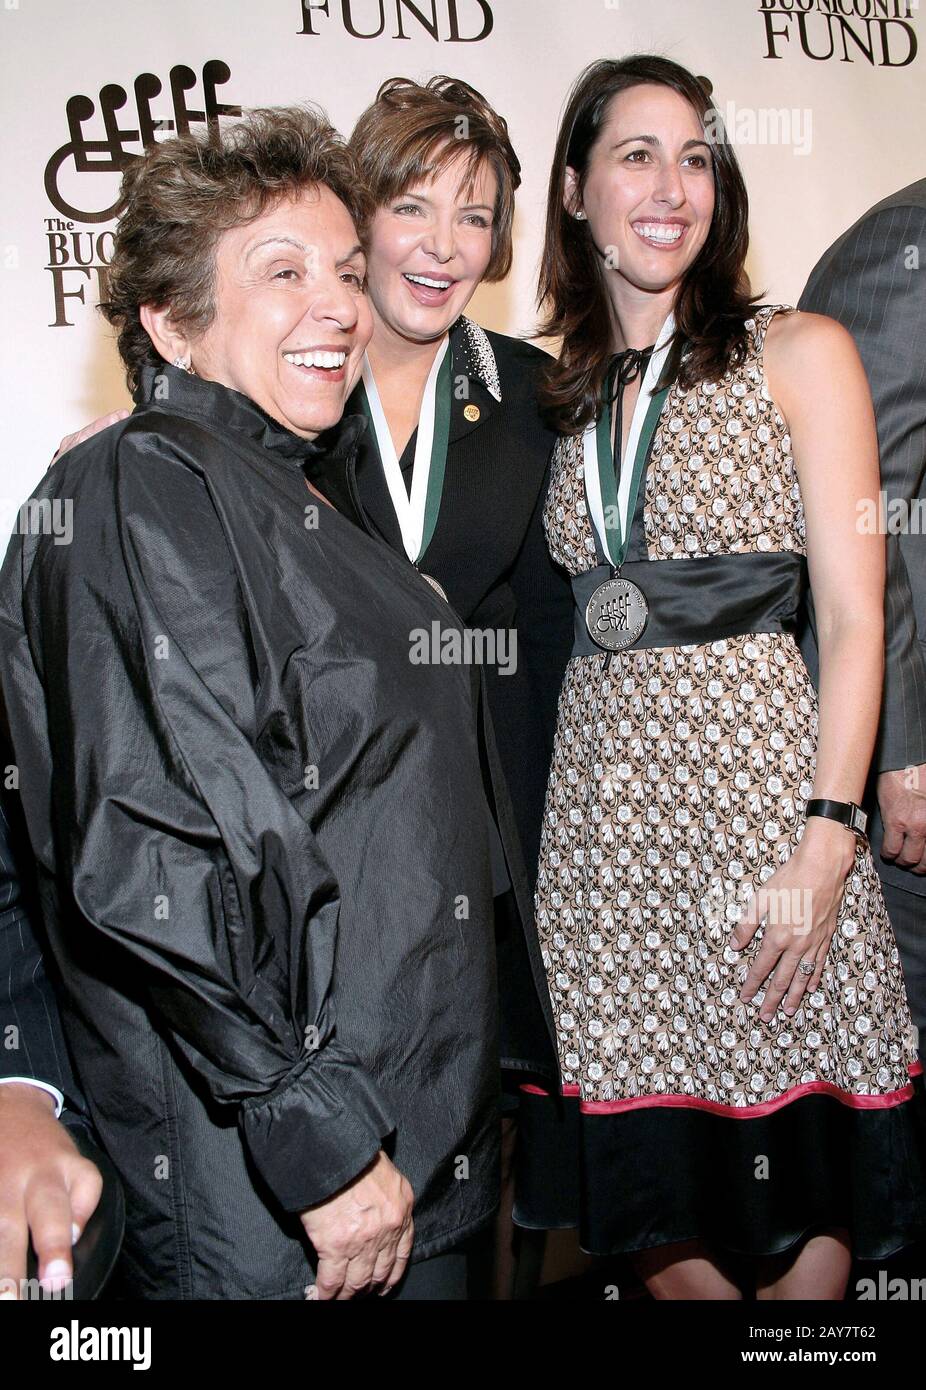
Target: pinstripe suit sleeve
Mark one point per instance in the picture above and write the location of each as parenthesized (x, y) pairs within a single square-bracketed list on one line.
[(866, 282), (31, 1039)]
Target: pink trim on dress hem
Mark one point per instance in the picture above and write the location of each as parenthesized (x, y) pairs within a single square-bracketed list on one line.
[(741, 1112)]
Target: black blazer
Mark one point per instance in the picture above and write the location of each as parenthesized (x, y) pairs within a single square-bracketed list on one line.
[(489, 552)]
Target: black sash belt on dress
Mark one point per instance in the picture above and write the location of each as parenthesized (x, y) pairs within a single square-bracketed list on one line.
[(692, 602)]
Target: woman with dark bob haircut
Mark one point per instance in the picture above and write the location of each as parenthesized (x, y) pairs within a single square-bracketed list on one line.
[(733, 1030), (261, 830)]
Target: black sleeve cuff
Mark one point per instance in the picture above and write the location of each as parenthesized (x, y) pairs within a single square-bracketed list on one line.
[(318, 1130)]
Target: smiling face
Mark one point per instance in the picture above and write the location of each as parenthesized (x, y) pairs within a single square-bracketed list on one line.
[(291, 318), (428, 250), (648, 192)]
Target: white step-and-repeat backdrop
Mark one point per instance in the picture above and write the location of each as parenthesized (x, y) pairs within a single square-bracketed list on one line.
[(825, 99)]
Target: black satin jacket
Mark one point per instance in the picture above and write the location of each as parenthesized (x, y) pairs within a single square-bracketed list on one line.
[(261, 843)]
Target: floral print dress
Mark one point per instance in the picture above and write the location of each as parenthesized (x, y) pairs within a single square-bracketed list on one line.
[(679, 784)]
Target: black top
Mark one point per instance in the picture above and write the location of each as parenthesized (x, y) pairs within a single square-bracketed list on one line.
[(489, 553), (489, 550), (260, 839)]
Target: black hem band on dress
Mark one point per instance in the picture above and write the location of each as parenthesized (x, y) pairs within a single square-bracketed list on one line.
[(659, 1175)]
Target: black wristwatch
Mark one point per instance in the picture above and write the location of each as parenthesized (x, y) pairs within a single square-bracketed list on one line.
[(846, 812)]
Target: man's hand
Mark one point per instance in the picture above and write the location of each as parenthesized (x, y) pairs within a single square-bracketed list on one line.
[(363, 1234), (47, 1189), (101, 423), (902, 799)]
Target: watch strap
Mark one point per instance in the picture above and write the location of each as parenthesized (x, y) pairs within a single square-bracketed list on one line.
[(846, 812)]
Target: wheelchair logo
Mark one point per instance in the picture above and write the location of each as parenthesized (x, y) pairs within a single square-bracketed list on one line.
[(112, 153)]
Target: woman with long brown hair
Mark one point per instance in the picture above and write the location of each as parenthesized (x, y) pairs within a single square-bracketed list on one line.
[(732, 1024)]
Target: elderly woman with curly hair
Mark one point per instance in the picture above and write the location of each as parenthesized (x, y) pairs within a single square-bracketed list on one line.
[(451, 473), (260, 829)]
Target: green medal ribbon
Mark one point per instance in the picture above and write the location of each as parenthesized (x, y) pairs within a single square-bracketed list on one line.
[(438, 390), (605, 463)]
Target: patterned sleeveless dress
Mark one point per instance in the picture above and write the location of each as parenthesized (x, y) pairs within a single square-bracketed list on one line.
[(679, 784)]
